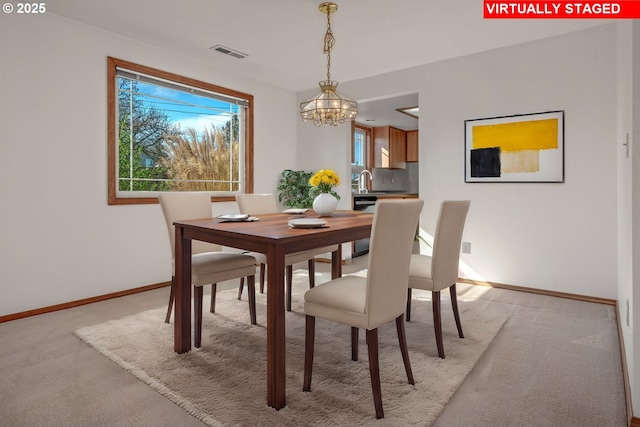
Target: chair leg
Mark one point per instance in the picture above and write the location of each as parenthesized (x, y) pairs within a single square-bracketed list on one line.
[(402, 339), (437, 322), (240, 288), (355, 332), (262, 275), (170, 307), (374, 370), (214, 287), (312, 273), (251, 289), (454, 304), (197, 314), (408, 310), (288, 279), (309, 337)]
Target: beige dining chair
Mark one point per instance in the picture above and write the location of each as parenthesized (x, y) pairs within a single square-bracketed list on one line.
[(440, 270), (209, 264), (372, 301), (265, 203)]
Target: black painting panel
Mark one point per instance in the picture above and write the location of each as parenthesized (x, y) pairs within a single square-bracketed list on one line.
[(485, 162)]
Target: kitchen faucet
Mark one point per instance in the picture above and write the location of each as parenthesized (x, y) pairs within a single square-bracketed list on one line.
[(362, 188)]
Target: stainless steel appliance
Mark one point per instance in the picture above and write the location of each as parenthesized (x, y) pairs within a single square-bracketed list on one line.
[(366, 203)]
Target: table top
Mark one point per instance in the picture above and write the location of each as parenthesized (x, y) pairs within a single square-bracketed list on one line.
[(274, 229)]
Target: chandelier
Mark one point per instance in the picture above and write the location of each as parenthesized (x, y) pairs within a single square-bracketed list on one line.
[(328, 108)]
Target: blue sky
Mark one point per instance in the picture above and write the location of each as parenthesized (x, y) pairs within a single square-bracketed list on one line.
[(185, 109)]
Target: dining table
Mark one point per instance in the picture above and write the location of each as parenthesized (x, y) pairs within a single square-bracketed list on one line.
[(272, 235)]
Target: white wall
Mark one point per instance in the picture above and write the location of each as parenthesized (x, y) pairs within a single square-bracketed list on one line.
[(322, 147), (59, 240), (560, 237), (629, 197), (632, 288), (625, 210)]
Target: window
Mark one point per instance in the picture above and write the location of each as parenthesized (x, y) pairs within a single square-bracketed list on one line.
[(360, 153), (359, 147), (172, 133)]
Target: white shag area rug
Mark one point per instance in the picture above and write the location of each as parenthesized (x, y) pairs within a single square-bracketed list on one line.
[(223, 383)]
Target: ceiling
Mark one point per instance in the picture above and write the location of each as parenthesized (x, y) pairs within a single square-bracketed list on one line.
[(383, 112), (283, 38)]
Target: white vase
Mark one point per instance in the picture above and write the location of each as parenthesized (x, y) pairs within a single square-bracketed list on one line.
[(325, 204)]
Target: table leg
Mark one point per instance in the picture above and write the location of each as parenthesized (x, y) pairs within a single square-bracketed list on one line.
[(336, 263), (182, 292), (276, 347)]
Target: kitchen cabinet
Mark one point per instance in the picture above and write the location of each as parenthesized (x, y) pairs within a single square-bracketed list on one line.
[(390, 147), (412, 146)]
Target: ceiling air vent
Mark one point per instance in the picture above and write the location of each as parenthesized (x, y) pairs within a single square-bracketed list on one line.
[(229, 51)]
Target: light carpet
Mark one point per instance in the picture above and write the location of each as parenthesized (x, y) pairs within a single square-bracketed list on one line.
[(223, 383)]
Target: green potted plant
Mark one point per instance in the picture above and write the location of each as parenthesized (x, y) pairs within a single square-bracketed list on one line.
[(294, 189)]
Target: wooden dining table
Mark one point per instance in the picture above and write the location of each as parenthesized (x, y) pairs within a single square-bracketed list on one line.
[(270, 235)]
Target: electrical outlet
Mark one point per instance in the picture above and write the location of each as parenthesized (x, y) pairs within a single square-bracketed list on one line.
[(466, 247)]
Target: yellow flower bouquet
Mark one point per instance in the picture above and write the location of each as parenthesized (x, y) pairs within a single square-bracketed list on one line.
[(323, 181)]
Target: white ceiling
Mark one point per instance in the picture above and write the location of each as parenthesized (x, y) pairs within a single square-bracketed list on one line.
[(382, 112), (284, 38)]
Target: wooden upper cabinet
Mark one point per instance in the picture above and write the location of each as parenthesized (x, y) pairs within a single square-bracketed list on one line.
[(412, 146), (390, 147), (397, 148), (381, 147)]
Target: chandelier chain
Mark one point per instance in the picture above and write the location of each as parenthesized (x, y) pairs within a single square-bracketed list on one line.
[(329, 41)]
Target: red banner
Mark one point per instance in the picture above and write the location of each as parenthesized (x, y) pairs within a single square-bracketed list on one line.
[(625, 9)]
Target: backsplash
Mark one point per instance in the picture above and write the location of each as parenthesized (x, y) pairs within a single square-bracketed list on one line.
[(413, 172), (385, 179), (388, 179)]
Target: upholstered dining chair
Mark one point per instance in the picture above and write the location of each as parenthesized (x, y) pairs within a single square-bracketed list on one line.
[(209, 264), (440, 270), (256, 204), (372, 301)]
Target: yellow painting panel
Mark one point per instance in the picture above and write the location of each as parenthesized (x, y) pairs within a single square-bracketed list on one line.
[(525, 161), (517, 136)]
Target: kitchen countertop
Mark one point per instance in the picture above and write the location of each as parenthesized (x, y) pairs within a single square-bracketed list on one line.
[(388, 195), (365, 202)]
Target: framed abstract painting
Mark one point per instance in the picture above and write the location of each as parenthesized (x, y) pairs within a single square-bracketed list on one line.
[(518, 148)]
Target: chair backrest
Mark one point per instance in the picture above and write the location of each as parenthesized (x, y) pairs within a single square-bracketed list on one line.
[(392, 234), (447, 241), (254, 204), (186, 205)]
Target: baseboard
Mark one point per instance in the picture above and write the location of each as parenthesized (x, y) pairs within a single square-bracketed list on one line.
[(540, 292), (77, 303), (80, 302), (625, 374)]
